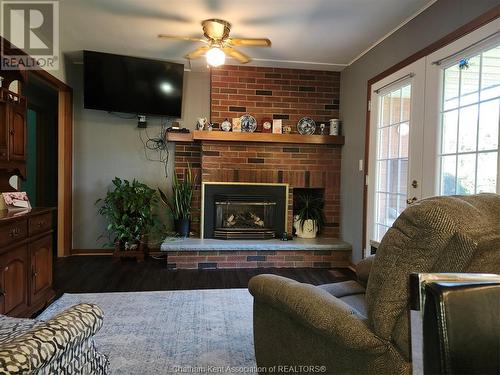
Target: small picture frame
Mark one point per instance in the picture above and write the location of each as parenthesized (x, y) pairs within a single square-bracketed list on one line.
[(278, 126), (236, 125)]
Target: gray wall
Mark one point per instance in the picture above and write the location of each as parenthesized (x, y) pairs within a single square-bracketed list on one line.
[(437, 21), (105, 146)]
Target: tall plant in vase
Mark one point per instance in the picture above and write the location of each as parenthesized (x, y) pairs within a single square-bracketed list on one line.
[(181, 201)]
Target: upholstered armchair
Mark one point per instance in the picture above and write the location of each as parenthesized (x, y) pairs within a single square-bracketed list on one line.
[(61, 345), (362, 327)]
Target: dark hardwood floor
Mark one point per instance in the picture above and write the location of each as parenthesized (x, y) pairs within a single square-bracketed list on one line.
[(95, 274)]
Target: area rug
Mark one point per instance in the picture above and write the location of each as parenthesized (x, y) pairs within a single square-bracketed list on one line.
[(171, 331)]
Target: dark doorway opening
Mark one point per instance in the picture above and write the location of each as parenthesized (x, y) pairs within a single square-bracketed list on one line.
[(42, 145)]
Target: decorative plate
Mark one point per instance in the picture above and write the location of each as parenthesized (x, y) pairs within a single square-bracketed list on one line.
[(306, 126), (226, 125), (248, 123)]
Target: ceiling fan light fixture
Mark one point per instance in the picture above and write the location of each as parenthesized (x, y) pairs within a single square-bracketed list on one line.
[(215, 57)]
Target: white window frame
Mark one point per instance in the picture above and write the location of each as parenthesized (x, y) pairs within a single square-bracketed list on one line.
[(434, 95)]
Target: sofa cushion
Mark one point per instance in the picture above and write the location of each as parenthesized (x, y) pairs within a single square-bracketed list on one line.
[(439, 234)]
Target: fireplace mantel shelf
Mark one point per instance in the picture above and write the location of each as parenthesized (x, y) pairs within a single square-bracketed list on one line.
[(218, 136)]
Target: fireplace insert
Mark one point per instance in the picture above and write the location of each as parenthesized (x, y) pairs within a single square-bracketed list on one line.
[(244, 217), (243, 211)]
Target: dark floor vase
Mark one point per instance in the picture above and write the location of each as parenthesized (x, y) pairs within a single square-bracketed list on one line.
[(182, 227)]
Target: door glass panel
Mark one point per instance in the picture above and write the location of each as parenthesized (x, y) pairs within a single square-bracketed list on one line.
[(467, 131), (392, 158), (451, 85), (490, 77), (487, 176), (470, 125)]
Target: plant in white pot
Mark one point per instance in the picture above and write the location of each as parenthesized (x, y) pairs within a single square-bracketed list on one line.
[(309, 218)]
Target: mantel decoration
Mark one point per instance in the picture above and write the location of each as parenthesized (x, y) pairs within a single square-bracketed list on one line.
[(306, 126), (128, 209), (180, 203), (309, 218), (248, 123)]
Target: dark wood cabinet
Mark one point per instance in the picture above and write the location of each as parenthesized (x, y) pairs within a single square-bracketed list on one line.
[(17, 131), (13, 131), (41, 268), (25, 261), (14, 281)]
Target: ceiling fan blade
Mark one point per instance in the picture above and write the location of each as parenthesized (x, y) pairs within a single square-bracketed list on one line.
[(198, 52), (187, 38), (257, 42), (235, 54)]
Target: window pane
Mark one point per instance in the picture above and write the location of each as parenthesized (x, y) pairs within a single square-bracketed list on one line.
[(383, 145), (394, 146), (403, 176), (393, 175), (466, 174), (469, 82), (450, 128), (386, 110), (467, 129), (404, 133), (382, 175), (402, 204), (448, 170), (395, 106), (451, 83), (488, 125), (405, 103), (392, 209), (381, 208), (487, 172), (490, 76)]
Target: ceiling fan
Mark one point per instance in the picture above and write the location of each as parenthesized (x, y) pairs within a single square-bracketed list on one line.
[(218, 44)]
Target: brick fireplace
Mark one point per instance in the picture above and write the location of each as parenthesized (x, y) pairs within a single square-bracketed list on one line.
[(299, 162)]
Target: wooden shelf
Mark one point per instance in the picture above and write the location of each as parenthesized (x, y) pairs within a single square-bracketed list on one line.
[(179, 137), (219, 136)]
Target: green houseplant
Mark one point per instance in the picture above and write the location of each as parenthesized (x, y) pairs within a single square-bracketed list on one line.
[(180, 203), (128, 208), (309, 217)]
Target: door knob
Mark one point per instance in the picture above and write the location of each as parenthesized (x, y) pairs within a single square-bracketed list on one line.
[(414, 184), (411, 200)]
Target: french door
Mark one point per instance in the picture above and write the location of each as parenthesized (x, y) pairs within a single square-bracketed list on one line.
[(396, 132), (435, 129)]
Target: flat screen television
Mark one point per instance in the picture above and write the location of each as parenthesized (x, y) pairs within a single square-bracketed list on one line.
[(117, 83)]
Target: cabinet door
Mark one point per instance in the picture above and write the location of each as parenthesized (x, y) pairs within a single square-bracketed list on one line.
[(41, 267), (17, 132), (14, 276), (4, 131)]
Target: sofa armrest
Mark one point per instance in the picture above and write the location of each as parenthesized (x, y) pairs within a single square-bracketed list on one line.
[(46, 342), (363, 269), (317, 309)]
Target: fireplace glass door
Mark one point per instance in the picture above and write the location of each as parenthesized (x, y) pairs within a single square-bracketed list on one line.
[(244, 217)]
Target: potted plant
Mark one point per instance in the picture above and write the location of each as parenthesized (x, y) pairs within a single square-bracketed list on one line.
[(180, 204), (309, 218), (128, 208)]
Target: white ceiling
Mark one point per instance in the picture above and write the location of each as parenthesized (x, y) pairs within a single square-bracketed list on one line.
[(313, 34)]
